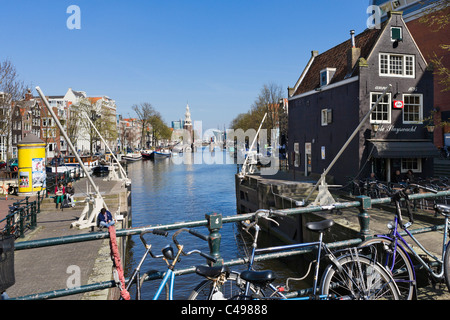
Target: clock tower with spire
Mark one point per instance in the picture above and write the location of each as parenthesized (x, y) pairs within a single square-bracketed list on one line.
[(188, 125)]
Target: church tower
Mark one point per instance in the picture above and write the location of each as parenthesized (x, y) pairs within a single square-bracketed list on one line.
[(188, 125)]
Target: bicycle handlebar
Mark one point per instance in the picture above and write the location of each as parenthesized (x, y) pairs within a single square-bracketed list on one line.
[(155, 232), (198, 235), (399, 194), (193, 232), (204, 255)]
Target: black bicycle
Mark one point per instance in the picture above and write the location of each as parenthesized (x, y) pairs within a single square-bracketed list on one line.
[(349, 275)]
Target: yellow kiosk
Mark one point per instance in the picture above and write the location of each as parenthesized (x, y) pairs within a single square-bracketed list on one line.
[(31, 164)]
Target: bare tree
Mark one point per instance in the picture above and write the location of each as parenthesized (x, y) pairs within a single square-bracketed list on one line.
[(102, 117), (11, 89), (268, 101), (145, 112)]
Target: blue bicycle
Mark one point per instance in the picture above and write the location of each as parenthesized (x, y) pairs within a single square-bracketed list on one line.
[(170, 257)]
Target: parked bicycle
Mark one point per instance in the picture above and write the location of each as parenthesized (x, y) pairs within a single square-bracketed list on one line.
[(170, 257), (349, 274), (393, 251)]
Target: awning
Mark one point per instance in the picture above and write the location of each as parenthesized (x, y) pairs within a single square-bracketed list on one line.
[(403, 149)]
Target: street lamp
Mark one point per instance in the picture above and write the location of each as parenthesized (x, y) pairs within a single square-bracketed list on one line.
[(375, 127)]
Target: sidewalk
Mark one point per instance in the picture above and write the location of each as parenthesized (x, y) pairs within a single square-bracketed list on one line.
[(57, 267)]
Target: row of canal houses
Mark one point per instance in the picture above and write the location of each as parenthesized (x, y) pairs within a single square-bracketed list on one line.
[(30, 115), (338, 87)]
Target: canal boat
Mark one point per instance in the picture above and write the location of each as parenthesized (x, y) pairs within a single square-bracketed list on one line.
[(162, 154), (68, 163), (147, 154), (132, 157), (100, 171), (57, 165), (89, 162)]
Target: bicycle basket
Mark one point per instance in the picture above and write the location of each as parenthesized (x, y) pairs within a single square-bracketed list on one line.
[(7, 278)]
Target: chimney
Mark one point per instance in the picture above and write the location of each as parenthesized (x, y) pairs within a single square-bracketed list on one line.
[(28, 95), (353, 53)]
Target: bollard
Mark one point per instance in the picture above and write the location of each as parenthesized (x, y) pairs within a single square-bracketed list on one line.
[(363, 216), (22, 216), (39, 202), (33, 218), (214, 225)]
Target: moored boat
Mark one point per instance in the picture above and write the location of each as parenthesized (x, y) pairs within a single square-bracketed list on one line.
[(162, 154), (147, 154), (89, 162), (100, 170), (132, 157)]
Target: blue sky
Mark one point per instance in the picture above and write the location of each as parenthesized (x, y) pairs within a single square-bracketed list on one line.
[(214, 54)]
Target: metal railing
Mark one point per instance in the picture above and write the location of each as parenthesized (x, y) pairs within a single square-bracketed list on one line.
[(64, 178), (363, 203), (22, 216)]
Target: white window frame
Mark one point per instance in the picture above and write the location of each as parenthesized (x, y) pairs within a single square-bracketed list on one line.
[(401, 33), (420, 111), (388, 107), (417, 169), (386, 63), (327, 71), (326, 117)]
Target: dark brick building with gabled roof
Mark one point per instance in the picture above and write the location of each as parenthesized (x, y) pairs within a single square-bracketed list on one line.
[(337, 89)]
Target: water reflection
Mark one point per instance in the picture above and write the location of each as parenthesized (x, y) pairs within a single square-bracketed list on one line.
[(166, 191)]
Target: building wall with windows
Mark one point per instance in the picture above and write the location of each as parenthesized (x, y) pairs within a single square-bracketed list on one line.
[(324, 110)]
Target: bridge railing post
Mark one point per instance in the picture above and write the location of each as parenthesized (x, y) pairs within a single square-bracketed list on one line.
[(364, 216), (214, 225)]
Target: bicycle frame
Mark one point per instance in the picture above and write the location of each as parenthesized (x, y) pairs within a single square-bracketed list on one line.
[(397, 236), (321, 247), (169, 275)]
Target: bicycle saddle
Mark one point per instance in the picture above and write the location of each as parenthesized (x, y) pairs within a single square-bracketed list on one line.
[(212, 272), (261, 278), (320, 226)]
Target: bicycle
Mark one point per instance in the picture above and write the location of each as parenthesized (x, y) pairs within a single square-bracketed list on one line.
[(171, 260), (348, 276), (393, 251)]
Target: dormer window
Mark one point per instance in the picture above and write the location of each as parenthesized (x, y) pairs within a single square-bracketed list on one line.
[(326, 75)]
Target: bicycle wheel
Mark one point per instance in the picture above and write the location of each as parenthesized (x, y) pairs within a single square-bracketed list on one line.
[(446, 266), (396, 260), (359, 279), (232, 289)]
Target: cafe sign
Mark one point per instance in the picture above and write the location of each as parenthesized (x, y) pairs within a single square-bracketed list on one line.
[(398, 104)]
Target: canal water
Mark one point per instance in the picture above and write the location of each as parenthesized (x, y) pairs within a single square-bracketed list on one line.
[(166, 191)]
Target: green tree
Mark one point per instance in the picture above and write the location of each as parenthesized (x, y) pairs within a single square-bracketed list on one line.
[(159, 128)]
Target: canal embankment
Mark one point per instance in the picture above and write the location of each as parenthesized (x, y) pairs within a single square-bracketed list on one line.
[(286, 191), (58, 267)]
